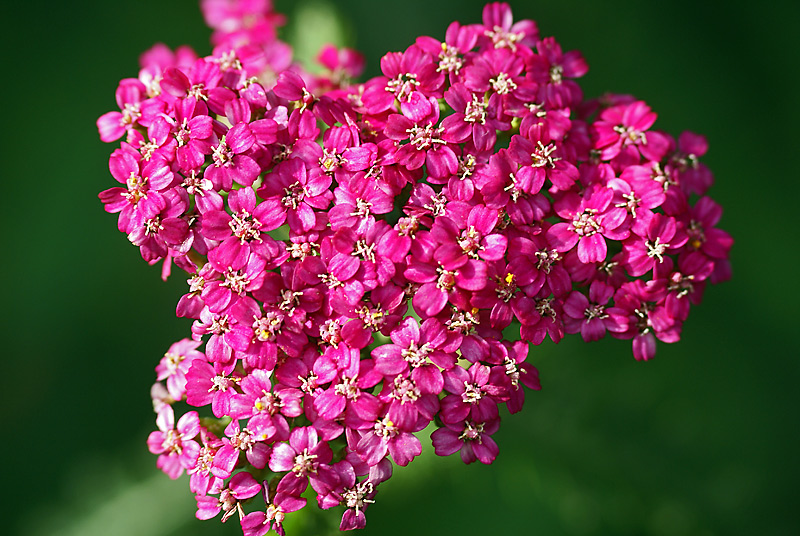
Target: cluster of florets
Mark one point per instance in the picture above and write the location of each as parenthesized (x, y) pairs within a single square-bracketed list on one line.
[(363, 256)]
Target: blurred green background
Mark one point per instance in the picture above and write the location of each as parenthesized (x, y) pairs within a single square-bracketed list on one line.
[(701, 441)]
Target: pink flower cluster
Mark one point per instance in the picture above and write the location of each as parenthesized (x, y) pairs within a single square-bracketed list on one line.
[(360, 254)]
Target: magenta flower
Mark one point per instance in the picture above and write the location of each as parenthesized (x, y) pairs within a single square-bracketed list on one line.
[(357, 203), (537, 265), (355, 496), (545, 163), (232, 281), (242, 231), (175, 364), (192, 130), (379, 314), (554, 70), (416, 348), (243, 440), (200, 81), (503, 31), (230, 163), (210, 385), (694, 176), (440, 282), (591, 315), (251, 21), (539, 123), (475, 238), (451, 53), (500, 296), (472, 440), (344, 64), (636, 193), (291, 86), (645, 322), (220, 326), (426, 144), (628, 125), (293, 296), (175, 445), (471, 119), (164, 231), (407, 404), (472, 395), (703, 233), (204, 477), (540, 318), (516, 373), (406, 80), (135, 110), (498, 72), (505, 185), (240, 488), (387, 437), (663, 236), (292, 194), (347, 395), (374, 270), (306, 459), (259, 523), (140, 199), (593, 220), (682, 285)]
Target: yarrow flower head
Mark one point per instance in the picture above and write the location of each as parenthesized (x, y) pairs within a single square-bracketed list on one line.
[(359, 254)]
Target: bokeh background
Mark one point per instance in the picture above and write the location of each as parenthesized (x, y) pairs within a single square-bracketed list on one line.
[(701, 441)]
